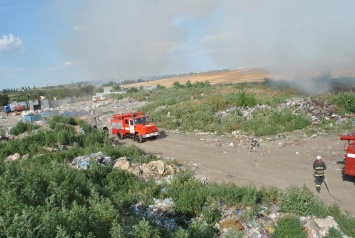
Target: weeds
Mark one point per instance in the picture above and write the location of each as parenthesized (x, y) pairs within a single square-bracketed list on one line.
[(22, 127), (289, 227)]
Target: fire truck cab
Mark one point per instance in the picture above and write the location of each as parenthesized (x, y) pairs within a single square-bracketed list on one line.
[(135, 125), (349, 159)]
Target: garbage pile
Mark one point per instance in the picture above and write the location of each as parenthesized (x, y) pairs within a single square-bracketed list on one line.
[(161, 212), (316, 110), (263, 225), (85, 162), (247, 112), (156, 169)]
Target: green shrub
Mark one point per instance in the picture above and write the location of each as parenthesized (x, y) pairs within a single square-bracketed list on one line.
[(297, 200), (211, 214), (333, 233), (244, 100), (269, 195), (22, 127), (144, 230), (346, 224), (61, 119), (233, 195), (345, 101), (199, 230), (188, 194), (177, 84), (289, 227), (272, 122), (160, 87)]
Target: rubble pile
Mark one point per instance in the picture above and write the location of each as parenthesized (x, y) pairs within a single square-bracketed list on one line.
[(315, 109), (156, 169)]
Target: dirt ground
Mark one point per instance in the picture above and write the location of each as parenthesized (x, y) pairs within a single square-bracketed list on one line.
[(277, 163)]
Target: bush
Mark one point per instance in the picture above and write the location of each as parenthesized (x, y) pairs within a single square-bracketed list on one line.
[(346, 224), (199, 230), (269, 195), (244, 100), (289, 227), (144, 230), (22, 127), (233, 195), (272, 122), (211, 214), (333, 233), (188, 194), (301, 201), (345, 101)]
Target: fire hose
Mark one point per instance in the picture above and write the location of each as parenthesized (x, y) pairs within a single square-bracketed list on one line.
[(326, 185)]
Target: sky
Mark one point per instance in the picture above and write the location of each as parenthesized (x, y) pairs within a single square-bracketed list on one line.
[(51, 42)]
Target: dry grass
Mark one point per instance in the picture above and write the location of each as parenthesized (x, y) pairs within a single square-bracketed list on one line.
[(233, 76)]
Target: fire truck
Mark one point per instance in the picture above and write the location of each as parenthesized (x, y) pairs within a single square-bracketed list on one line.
[(135, 125), (349, 160)]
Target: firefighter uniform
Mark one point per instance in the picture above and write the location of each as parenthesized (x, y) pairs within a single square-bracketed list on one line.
[(319, 166)]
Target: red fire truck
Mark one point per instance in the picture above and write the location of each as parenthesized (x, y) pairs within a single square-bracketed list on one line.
[(135, 125), (349, 160)]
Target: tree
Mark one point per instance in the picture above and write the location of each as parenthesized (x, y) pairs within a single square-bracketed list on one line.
[(4, 99)]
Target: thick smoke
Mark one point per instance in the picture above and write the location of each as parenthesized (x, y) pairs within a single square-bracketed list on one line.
[(292, 39)]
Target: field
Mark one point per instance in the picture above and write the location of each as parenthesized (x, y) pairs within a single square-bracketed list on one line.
[(226, 77)]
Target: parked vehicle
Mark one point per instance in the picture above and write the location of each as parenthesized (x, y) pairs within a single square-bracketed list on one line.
[(349, 159), (135, 124)]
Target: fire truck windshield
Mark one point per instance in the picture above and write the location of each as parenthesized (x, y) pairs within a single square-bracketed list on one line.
[(141, 120)]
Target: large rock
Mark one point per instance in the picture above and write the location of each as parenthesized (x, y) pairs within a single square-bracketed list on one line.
[(158, 166), (122, 163), (15, 156)]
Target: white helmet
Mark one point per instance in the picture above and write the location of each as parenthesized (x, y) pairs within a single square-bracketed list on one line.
[(319, 157)]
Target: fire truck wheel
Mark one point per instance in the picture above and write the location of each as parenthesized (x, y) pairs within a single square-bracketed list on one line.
[(138, 138), (120, 136)]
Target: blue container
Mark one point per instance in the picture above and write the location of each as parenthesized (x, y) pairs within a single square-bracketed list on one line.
[(33, 117)]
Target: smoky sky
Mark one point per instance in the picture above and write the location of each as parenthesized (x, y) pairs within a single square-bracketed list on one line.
[(141, 37)]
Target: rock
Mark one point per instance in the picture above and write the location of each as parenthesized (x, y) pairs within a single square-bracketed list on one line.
[(15, 156), (326, 223), (231, 224), (26, 156), (158, 165), (122, 163)]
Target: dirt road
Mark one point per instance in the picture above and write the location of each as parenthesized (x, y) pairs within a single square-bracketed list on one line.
[(277, 163)]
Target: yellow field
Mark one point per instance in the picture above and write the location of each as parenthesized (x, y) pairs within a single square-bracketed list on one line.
[(232, 76)]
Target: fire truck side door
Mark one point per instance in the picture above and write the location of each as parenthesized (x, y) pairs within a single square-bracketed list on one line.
[(131, 126)]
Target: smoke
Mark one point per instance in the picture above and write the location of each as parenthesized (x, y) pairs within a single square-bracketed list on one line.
[(292, 39)]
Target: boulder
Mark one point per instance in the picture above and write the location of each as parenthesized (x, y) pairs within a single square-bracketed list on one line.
[(15, 156), (122, 163)]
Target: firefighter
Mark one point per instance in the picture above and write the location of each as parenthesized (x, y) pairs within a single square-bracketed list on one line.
[(319, 166)]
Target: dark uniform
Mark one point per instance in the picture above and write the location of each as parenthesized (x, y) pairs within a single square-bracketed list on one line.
[(319, 166)]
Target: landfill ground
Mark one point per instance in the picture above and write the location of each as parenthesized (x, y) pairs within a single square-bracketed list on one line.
[(277, 162)]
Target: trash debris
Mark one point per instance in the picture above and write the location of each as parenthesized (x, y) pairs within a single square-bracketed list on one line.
[(84, 162)]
